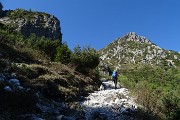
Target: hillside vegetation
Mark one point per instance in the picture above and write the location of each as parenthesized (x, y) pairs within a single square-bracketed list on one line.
[(150, 72), (156, 88), (31, 61), (40, 76)]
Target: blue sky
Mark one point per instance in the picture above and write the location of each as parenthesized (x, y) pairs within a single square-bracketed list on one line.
[(99, 22)]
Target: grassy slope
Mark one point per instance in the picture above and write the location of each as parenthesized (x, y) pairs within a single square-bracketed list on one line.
[(35, 70)]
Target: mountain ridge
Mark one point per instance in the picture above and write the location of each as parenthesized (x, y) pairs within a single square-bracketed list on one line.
[(135, 49)]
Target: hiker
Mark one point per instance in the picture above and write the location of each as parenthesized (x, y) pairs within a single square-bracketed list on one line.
[(115, 77)]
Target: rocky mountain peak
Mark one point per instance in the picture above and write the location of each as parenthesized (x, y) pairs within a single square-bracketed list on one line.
[(132, 49), (132, 36)]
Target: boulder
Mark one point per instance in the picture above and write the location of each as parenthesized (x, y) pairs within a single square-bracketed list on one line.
[(14, 82), (45, 108), (7, 88), (101, 87), (1, 79)]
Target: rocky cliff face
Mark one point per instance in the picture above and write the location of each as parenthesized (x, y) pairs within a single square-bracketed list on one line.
[(28, 22), (134, 49)]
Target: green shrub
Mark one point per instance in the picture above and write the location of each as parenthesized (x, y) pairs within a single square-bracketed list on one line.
[(85, 59), (51, 91), (171, 105), (125, 82), (24, 70), (63, 54), (20, 13), (43, 44), (151, 85), (1, 6)]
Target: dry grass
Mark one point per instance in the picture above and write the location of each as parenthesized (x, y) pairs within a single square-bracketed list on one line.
[(57, 78)]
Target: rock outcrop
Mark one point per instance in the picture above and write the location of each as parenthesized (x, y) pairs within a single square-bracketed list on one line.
[(27, 22)]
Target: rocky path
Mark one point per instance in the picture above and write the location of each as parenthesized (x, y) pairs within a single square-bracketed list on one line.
[(109, 104)]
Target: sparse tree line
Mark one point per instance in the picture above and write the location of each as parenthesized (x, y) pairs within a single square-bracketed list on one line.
[(83, 59), (1, 7)]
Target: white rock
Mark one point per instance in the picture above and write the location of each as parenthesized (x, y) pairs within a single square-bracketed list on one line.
[(60, 117), (117, 101), (7, 88), (1, 80), (107, 100), (14, 82), (101, 87), (123, 100), (20, 87)]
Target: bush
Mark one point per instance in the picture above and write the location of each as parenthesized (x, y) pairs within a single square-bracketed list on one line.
[(43, 44), (125, 81), (63, 54), (151, 85), (51, 91), (16, 47), (171, 106), (20, 13), (85, 59), (1, 6), (147, 97)]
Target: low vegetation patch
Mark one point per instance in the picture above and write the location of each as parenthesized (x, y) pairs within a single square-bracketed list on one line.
[(156, 88)]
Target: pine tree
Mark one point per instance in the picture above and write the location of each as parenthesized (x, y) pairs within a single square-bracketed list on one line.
[(1, 7)]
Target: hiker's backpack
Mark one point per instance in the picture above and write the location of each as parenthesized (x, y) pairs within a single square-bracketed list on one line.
[(114, 74)]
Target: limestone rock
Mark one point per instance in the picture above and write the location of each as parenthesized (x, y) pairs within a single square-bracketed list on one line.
[(1, 80), (41, 24), (7, 88), (14, 82), (109, 104), (135, 49)]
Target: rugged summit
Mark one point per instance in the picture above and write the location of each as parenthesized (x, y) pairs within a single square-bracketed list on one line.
[(28, 22), (133, 49)]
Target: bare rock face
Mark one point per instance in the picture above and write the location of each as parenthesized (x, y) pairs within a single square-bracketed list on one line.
[(132, 36), (47, 26), (27, 22)]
